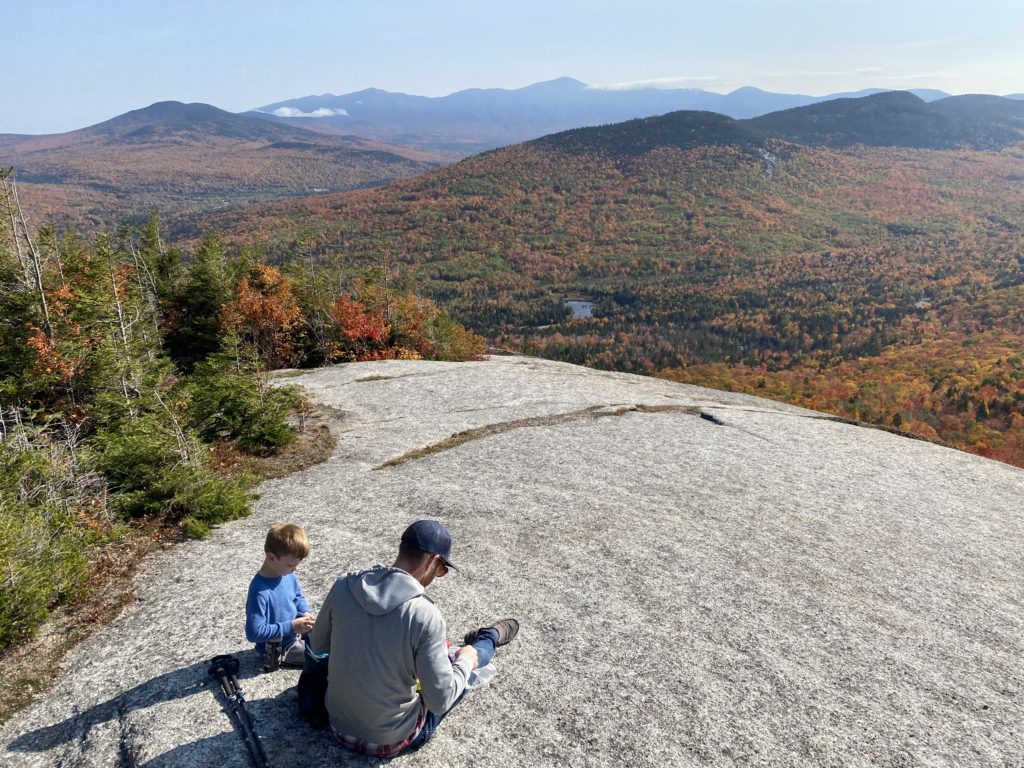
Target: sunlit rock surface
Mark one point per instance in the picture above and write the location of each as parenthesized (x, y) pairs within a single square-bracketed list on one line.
[(702, 579)]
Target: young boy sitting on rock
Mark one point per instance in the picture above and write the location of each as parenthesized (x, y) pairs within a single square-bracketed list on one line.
[(276, 611)]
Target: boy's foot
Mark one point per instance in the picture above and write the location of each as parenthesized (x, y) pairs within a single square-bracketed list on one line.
[(272, 656), (506, 629)]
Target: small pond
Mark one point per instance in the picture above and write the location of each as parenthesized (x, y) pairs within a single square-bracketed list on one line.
[(580, 309)]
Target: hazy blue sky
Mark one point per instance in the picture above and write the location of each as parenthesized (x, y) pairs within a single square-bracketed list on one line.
[(65, 64)]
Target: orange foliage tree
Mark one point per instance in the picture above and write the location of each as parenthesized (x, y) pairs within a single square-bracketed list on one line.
[(264, 314)]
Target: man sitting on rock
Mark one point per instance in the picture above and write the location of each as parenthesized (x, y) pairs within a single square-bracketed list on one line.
[(390, 677)]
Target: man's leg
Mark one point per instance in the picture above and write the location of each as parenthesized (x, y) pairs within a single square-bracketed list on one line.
[(485, 645)]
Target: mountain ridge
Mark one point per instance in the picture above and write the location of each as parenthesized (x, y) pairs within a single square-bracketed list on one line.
[(500, 116), (888, 118), (183, 158), (189, 158)]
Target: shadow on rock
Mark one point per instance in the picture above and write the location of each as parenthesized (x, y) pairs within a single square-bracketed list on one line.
[(286, 733), (285, 736), (218, 751), (281, 729), (178, 684)]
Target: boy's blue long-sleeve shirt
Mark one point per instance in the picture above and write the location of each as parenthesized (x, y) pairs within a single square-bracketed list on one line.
[(271, 607)]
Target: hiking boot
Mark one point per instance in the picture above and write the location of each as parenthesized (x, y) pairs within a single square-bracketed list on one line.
[(272, 655), (506, 629)]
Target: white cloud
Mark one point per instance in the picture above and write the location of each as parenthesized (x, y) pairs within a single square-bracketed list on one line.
[(322, 112), (657, 82)]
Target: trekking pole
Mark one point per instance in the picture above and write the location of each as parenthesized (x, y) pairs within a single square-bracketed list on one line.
[(225, 669), (246, 715)]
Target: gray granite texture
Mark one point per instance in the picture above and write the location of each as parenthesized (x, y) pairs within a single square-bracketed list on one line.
[(703, 579)]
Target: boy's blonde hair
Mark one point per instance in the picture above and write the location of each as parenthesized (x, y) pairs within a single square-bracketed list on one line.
[(287, 540)]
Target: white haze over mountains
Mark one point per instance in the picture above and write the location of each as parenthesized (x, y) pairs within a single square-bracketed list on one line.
[(658, 82)]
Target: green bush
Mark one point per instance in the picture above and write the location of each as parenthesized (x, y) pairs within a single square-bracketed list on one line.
[(155, 469), (202, 499), (455, 343), (43, 546), (238, 408), (136, 459)]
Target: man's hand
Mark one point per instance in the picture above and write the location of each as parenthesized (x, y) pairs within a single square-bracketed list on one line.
[(303, 624), (468, 651)]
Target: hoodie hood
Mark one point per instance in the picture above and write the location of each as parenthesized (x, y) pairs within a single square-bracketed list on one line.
[(380, 590)]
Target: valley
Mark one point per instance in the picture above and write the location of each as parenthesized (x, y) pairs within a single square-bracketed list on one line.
[(880, 282), (861, 256)]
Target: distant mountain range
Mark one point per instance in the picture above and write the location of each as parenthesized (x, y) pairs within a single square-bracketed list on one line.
[(886, 119), (470, 121), (186, 158)]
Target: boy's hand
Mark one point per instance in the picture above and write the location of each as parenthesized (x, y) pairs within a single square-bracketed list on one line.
[(303, 624)]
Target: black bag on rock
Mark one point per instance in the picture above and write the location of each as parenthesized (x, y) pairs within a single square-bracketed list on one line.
[(313, 689)]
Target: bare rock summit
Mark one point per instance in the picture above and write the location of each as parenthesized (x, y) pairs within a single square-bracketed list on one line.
[(702, 579)]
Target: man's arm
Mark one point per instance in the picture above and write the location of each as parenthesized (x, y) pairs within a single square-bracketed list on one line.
[(442, 680), (320, 635)]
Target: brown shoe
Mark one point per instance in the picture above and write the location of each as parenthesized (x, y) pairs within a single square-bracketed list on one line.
[(507, 629)]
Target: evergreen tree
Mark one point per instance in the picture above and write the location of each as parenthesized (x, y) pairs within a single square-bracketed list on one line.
[(194, 305)]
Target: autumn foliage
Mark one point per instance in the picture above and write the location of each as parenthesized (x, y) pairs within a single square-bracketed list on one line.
[(361, 329), (826, 274), (264, 313)]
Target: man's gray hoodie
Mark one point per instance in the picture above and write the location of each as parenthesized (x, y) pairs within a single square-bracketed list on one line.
[(384, 634)]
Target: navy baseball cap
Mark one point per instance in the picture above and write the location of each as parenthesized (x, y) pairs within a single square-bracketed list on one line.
[(431, 537)]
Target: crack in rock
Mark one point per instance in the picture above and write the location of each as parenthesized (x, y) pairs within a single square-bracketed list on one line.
[(392, 377), (712, 418), (593, 412)]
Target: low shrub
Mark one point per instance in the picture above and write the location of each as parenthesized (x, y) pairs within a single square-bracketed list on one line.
[(241, 409), (45, 534), (155, 468)]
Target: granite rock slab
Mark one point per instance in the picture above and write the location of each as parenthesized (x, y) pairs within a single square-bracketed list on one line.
[(702, 579)]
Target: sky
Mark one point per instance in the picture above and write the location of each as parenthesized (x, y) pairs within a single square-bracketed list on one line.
[(66, 64)]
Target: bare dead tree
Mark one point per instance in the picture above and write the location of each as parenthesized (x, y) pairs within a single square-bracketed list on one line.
[(384, 260), (130, 387), (30, 259), (179, 433), (319, 316), (148, 291), (7, 181), (68, 484)]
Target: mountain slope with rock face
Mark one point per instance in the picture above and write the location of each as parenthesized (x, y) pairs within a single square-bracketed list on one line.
[(702, 578)]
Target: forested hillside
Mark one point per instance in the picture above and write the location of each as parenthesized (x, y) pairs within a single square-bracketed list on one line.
[(132, 373), (184, 158), (881, 282)]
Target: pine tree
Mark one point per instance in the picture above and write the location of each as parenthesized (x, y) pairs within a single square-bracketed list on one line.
[(194, 305)]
